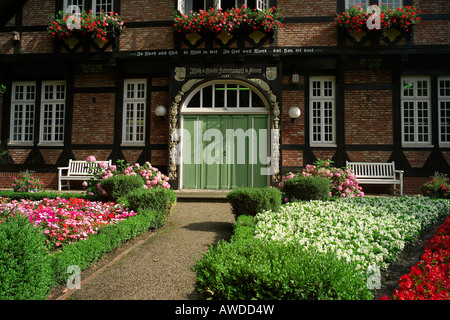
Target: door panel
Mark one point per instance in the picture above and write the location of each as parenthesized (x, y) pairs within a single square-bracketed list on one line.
[(234, 161)]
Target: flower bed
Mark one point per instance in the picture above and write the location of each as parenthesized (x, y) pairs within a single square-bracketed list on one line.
[(369, 232), (65, 221), (430, 278)]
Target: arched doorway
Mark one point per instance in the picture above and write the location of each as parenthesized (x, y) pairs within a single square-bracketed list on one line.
[(225, 136)]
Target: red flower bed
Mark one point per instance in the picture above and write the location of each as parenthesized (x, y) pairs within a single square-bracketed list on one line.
[(430, 278)]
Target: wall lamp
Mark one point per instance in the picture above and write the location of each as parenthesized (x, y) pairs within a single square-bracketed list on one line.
[(295, 77), (294, 113), (160, 111), (16, 36)]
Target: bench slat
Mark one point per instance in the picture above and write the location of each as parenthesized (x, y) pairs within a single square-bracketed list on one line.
[(377, 173), (76, 170)]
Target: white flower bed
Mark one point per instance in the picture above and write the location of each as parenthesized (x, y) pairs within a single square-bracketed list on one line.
[(370, 231)]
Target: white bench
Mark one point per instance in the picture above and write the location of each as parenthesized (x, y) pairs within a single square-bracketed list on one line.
[(377, 173), (77, 170)]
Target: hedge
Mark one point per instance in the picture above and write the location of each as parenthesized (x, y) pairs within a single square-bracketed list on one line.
[(25, 271), (303, 188), (258, 270), (251, 201)]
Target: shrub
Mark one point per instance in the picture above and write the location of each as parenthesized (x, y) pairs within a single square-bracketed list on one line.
[(11, 195), (437, 187), (343, 183), (307, 188), (253, 269), (153, 178), (251, 201), (120, 186), (243, 228), (25, 272), (159, 200)]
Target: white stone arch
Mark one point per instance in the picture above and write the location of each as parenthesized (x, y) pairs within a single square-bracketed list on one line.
[(191, 87)]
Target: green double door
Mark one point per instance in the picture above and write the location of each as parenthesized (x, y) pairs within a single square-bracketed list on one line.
[(225, 151)]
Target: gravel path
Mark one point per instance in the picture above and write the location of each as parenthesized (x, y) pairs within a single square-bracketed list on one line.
[(157, 265)]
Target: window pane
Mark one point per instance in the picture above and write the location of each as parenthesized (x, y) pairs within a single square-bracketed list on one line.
[(350, 3), (228, 4), (444, 88), (195, 100), (102, 5), (393, 3), (316, 92), (219, 95), (134, 111), (408, 88), (207, 97), (22, 115), (53, 105), (78, 3), (256, 101), (232, 95), (244, 97), (445, 121)]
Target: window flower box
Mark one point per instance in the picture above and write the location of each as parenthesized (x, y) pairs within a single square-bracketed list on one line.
[(103, 27), (223, 25), (394, 23)]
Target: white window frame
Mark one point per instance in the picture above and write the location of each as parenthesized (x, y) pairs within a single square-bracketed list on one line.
[(135, 102), (318, 139), (82, 5), (393, 4), (185, 6), (350, 3), (101, 3), (79, 3), (416, 100), (187, 109), (444, 122), (27, 119), (55, 103)]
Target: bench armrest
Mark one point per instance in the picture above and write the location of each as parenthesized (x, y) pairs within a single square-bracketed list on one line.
[(60, 169)]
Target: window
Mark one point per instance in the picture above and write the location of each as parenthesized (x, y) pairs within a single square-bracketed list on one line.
[(416, 117), (23, 108), (96, 6), (225, 96), (392, 4), (102, 5), (350, 3), (444, 110), (70, 3), (22, 112), (322, 111), (185, 6), (134, 102), (382, 3), (52, 112)]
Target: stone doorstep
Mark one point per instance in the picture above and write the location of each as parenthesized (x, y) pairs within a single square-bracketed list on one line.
[(202, 195)]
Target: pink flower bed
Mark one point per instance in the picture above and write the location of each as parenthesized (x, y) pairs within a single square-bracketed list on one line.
[(65, 221)]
